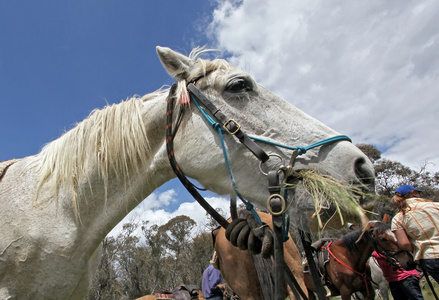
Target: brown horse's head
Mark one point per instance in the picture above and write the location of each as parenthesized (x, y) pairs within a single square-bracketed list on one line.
[(386, 244)]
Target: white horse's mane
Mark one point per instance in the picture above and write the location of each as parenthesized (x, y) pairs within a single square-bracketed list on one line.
[(113, 138)]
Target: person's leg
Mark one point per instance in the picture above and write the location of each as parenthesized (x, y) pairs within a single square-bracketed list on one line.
[(397, 292), (411, 288), (431, 266)]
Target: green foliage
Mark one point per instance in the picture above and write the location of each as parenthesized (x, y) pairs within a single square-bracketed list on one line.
[(371, 151)]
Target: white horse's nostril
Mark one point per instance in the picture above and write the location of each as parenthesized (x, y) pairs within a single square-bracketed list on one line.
[(364, 172)]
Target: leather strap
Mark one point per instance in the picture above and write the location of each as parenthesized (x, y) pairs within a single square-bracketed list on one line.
[(180, 174), (275, 206), (306, 242), (230, 125)]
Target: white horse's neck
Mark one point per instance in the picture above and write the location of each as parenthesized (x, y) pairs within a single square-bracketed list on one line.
[(116, 156)]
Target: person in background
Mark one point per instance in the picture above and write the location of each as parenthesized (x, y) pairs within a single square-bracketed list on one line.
[(416, 227), (404, 285), (209, 285)]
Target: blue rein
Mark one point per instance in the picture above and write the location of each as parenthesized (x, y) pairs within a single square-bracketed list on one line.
[(300, 150)]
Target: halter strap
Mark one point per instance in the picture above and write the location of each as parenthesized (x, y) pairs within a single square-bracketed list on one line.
[(230, 125), (220, 122)]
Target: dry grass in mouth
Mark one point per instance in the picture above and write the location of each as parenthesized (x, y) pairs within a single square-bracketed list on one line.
[(325, 190)]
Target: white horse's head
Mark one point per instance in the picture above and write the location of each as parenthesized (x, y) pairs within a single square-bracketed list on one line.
[(263, 115)]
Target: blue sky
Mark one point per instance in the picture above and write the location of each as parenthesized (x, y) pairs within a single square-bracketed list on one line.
[(369, 70), (59, 60)]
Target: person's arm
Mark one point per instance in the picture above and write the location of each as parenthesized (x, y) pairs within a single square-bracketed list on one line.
[(403, 240)]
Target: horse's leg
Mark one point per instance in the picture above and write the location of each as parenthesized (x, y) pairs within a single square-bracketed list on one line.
[(345, 292), (384, 290), (369, 293), (366, 294)]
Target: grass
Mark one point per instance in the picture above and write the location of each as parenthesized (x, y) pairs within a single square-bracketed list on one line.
[(426, 291), (324, 190)]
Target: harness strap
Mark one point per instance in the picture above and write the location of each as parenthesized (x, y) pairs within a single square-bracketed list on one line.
[(276, 207), (427, 277), (289, 276), (306, 242), (230, 125)]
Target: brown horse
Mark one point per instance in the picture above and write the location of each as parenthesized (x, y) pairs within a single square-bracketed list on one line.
[(345, 265), (240, 269)]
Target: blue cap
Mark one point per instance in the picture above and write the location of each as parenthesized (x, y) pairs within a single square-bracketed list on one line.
[(404, 189)]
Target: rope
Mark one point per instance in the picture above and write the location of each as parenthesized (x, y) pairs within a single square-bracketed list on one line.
[(216, 126), (301, 149)]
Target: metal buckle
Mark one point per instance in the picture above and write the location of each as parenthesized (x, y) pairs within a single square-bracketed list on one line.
[(282, 203), (238, 127)]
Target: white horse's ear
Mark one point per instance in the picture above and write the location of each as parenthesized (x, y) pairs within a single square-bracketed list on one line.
[(176, 64)]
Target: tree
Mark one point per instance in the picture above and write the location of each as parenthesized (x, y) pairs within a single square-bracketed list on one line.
[(392, 174), (371, 151), (177, 233), (131, 261), (155, 244), (200, 255), (105, 286)]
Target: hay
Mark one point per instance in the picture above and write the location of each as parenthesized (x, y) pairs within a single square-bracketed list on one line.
[(325, 190)]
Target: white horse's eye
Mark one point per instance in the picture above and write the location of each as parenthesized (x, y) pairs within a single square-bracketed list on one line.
[(238, 85)]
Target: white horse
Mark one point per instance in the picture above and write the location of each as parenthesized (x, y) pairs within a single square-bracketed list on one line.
[(58, 205), (378, 280)]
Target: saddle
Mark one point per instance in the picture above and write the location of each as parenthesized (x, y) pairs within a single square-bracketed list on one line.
[(321, 258), (181, 292)]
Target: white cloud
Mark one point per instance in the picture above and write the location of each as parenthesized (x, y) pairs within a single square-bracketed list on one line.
[(368, 69), (152, 209)]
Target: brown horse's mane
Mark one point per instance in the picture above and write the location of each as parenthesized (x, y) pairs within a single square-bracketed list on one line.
[(351, 238)]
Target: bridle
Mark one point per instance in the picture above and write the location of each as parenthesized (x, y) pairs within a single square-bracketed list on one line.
[(222, 124), (387, 255)]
